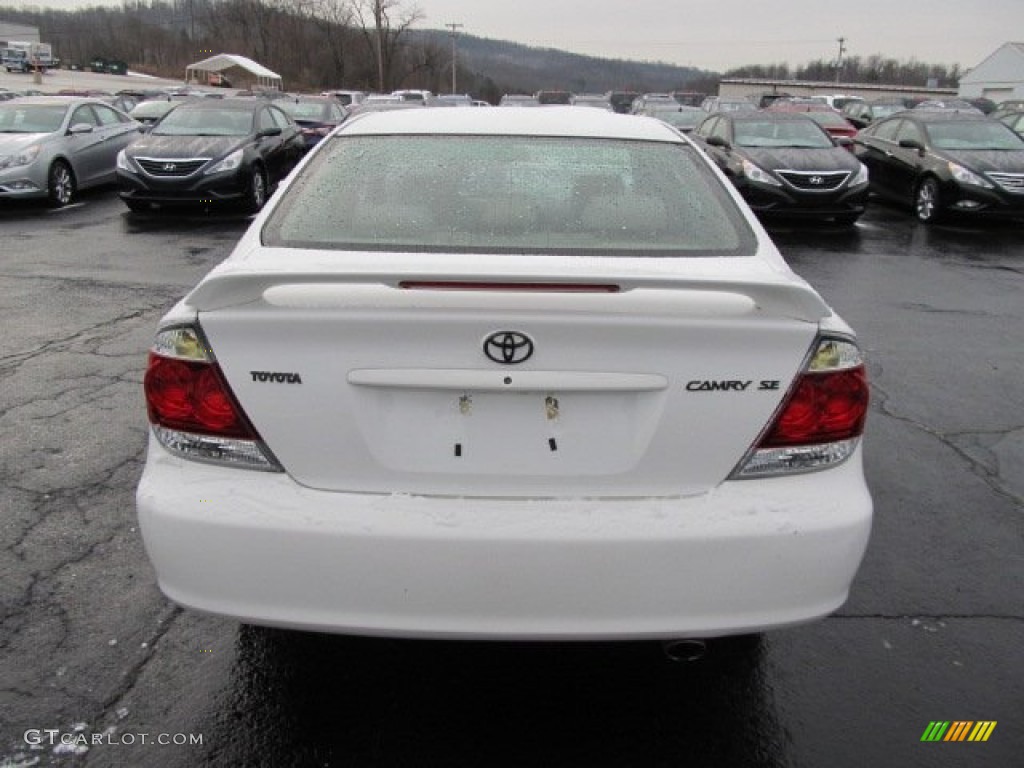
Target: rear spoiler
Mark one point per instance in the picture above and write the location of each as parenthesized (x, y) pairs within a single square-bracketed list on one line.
[(781, 298)]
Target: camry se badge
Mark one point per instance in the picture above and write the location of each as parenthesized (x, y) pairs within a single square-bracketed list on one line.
[(508, 347)]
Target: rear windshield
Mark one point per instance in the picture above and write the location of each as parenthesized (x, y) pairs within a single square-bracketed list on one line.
[(303, 110), (510, 194)]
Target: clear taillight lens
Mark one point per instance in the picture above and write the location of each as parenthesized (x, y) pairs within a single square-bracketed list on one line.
[(822, 418)]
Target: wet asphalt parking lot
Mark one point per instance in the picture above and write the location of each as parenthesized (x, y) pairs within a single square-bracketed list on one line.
[(91, 651)]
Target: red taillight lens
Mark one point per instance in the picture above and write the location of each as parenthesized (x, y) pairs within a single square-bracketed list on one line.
[(192, 397), (823, 408)]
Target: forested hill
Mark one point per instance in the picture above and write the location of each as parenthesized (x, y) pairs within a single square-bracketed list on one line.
[(525, 69)]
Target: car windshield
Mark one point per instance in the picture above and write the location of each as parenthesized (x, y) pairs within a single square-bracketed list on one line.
[(205, 122), (780, 133), (510, 194), (974, 135), (31, 118), (303, 110)]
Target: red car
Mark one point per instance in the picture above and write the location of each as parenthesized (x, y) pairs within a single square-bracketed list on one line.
[(828, 118)]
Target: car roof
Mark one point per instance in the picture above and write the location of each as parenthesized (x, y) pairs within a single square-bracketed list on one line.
[(941, 116), (59, 101), (761, 115), (240, 104), (551, 121)]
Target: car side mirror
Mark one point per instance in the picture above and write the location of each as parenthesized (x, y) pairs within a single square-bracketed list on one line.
[(144, 128), (80, 128), (717, 141), (275, 131), (843, 141)]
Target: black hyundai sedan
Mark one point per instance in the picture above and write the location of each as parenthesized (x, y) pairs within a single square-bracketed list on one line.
[(945, 162), (211, 151), (785, 164)]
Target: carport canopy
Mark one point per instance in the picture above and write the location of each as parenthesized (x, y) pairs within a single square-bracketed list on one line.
[(224, 61)]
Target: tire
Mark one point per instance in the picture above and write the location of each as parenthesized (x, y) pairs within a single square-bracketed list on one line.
[(256, 196), (60, 184), (927, 201)]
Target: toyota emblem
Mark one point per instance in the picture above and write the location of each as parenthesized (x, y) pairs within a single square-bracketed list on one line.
[(508, 347)]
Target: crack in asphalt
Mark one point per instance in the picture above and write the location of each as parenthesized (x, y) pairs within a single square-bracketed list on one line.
[(88, 282), (129, 679), (993, 479), (17, 358)]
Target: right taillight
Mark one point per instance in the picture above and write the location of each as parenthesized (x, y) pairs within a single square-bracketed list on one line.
[(191, 407), (821, 419)]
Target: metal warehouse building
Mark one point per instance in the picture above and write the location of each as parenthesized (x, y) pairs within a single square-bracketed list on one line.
[(999, 77)]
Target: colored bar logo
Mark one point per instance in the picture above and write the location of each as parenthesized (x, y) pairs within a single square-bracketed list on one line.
[(958, 730)]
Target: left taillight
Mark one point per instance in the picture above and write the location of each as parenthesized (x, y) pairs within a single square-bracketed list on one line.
[(821, 420), (191, 408)]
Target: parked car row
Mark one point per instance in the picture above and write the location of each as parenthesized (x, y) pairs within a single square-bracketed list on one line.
[(796, 158), (939, 160), (197, 151)]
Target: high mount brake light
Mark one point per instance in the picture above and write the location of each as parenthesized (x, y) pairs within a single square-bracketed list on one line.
[(821, 419), (191, 407)]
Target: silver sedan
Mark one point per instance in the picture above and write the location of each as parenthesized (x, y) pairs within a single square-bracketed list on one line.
[(52, 146)]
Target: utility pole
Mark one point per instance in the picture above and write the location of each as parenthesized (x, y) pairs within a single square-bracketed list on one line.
[(839, 61), (455, 56)]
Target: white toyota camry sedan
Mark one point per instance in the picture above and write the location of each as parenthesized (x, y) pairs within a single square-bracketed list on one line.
[(506, 374)]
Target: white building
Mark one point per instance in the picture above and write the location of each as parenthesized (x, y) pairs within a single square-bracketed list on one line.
[(18, 32), (999, 77)]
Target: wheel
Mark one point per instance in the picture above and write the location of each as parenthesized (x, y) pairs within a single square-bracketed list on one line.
[(257, 194), (927, 205), (60, 184)]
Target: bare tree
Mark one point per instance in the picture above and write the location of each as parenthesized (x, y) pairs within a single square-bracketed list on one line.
[(334, 20), (383, 23)]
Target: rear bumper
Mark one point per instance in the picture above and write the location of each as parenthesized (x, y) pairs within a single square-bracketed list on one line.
[(750, 556)]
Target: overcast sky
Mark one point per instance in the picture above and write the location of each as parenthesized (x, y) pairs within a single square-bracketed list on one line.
[(719, 34)]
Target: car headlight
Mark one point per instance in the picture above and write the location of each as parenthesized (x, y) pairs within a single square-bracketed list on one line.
[(861, 177), (965, 176), (123, 163), (758, 174), (24, 157), (230, 163)]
